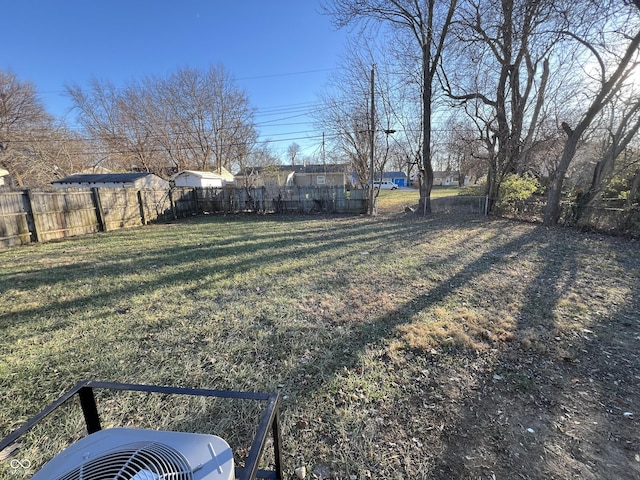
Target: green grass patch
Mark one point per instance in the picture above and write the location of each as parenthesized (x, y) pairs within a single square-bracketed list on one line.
[(394, 201), (343, 315)]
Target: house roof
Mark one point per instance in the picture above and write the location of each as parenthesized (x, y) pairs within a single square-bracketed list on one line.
[(394, 175), (102, 177), (326, 168)]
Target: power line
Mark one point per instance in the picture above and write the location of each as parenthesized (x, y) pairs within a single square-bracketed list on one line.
[(285, 111), (279, 119), (289, 74), (253, 77)]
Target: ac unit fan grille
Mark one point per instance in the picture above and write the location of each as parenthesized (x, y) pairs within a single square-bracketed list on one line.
[(135, 461)]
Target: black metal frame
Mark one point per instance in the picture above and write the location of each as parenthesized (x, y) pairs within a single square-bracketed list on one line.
[(269, 420)]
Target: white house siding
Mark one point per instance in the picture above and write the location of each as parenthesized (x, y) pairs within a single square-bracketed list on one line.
[(198, 179), (195, 178), (4, 176)]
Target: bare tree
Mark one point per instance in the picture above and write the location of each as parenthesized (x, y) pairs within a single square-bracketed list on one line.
[(344, 115), (33, 147), (346, 112), (624, 123), (292, 151), (22, 117), (251, 165), (109, 116), (611, 79), (211, 116), (53, 152), (192, 118), (502, 73), (349, 133), (465, 150), (427, 23)]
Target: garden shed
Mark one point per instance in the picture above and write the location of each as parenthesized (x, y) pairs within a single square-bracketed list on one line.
[(193, 178)]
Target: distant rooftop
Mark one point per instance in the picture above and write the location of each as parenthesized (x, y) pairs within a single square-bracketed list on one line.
[(102, 177), (316, 168), (394, 175)]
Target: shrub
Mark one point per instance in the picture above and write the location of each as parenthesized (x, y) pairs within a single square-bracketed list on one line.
[(514, 190), (473, 190), (619, 188)]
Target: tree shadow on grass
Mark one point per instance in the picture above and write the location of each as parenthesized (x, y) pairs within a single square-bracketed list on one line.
[(539, 412), (97, 313), (500, 422), (309, 359), (334, 349), (259, 252), (192, 260)]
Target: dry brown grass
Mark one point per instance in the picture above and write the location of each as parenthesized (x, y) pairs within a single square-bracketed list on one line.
[(403, 347)]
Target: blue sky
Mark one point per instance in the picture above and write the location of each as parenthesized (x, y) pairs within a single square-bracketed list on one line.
[(281, 51)]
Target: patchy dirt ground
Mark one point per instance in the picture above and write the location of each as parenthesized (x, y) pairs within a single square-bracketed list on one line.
[(521, 363), (571, 414), (509, 415), (561, 401)]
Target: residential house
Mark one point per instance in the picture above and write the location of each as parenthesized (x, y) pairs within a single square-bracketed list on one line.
[(399, 178), (267, 176), (445, 179), (112, 180), (329, 175), (442, 179)]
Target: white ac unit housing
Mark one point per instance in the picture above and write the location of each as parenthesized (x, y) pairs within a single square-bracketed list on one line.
[(138, 454)]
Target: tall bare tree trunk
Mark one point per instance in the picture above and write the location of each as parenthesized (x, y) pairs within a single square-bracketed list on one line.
[(635, 188), (426, 179), (416, 19), (552, 211)]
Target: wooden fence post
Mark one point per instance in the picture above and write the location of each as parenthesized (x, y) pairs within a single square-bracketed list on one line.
[(143, 217), (32, 213), (173, 204), (102, 225), (195, 200)]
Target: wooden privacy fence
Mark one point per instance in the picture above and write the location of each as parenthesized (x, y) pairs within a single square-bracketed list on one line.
[(38, 216)]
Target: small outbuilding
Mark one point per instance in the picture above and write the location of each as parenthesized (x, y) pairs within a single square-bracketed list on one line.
[(112, 180), (193, 178)]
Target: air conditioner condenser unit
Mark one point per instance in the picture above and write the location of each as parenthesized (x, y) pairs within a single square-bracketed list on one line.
[(138, 454)]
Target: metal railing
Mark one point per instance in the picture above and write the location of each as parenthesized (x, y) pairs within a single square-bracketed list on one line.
[(269, 420)]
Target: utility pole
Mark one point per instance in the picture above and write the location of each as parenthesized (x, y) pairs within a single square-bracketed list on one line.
[(372, 131)]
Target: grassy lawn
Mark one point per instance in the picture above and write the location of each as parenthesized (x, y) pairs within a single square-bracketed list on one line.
[(403, 347), (394, 201)]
